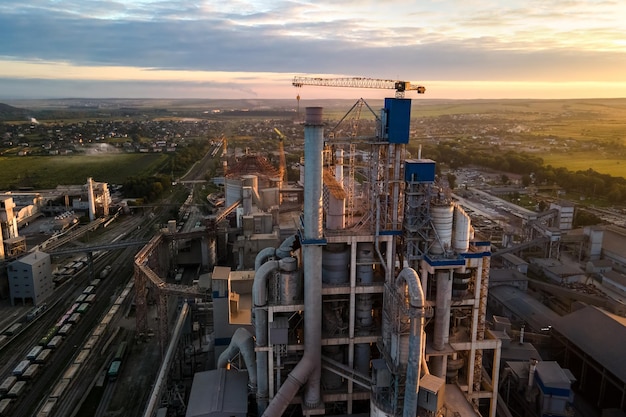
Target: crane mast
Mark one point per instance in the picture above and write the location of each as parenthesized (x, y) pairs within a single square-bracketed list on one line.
[(360, 82)]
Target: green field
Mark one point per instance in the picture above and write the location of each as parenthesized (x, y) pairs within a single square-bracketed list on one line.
[(581, 161), (49, 171), (574, 134)]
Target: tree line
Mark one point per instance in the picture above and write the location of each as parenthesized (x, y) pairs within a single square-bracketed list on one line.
[(532, 169)]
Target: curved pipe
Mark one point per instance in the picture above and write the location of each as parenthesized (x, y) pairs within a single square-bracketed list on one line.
[(263, 256), (243, 342), (259, 299), (413, 371), (289, 245), (284, 250)]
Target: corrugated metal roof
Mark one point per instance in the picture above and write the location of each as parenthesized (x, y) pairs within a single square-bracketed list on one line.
[(529, 309), (552, 375), (599, 334), (218, 393)]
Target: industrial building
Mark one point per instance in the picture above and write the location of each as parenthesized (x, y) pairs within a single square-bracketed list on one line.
[(30, 278), (92, 198), (379, 313)]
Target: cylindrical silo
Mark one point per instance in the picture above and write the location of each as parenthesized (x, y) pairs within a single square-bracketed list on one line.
[(233, 191), (462, 226), (336, 264), (365, 264), (442, 216), (290, 282)]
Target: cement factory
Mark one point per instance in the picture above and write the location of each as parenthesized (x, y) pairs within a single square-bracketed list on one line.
[(340, 317), (361, 288), (371, 301)]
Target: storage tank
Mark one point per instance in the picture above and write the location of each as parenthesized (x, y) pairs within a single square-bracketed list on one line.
[(442, 216), (461, 230), (335, 264), (290, 286), (365, 264), (233, 191)]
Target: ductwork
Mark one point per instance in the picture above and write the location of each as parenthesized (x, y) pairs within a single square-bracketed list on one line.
[(410, 277), (289, 245), (284, 250), (243, 342), (259, 299), (263, 268), (308, 370)]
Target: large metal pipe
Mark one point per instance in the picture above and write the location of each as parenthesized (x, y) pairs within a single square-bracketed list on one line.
[(289, 245), (259, 299), (308, 370), (241, 342), (284, 250), (413, 369)]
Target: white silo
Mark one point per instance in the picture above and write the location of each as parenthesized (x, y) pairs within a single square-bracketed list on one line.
[(442, 216), (462, 226)]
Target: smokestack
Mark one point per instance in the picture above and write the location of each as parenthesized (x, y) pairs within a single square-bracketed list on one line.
[(308, 370), (532, 366), (91, 199)]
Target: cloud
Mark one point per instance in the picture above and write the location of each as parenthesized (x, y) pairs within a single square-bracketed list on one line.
[(218, 45), (563, 40)]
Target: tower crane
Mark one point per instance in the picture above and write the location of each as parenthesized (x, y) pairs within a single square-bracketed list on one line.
[(282, 169), (360, 82)]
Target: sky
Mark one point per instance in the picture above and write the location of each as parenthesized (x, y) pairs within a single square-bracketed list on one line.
[(252, 49)]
